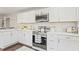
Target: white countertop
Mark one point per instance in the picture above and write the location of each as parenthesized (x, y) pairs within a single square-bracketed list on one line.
[(8, 30), (51, 32), (63, 33)]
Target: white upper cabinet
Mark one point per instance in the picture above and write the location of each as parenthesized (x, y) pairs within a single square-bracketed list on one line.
[(54, 14), (62, 14), (26, 17), (29, 17), (10, 21), (67, 14), (77, 13), (42, 11)]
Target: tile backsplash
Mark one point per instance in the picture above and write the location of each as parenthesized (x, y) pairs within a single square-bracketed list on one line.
[(56, 27), (25, 26), (63, 26)]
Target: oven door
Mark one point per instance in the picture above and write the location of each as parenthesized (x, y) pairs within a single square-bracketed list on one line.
[(38, 39)]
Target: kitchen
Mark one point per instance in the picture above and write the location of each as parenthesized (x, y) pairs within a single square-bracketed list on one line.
[(39, 28)]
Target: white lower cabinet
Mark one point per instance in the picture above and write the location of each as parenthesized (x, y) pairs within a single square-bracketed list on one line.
[(17, 35), (52, 43), (68, 43), (14, 35), (26, 38), (62, 42), (4, 39), (8, 38)]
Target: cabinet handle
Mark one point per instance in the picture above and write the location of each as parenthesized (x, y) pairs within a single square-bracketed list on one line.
[(51, 48), (11, 34), (24, 34), (58, 41), (51, 40), (67, 37)]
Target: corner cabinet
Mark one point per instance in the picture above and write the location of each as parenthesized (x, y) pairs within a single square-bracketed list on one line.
[(26, 17)]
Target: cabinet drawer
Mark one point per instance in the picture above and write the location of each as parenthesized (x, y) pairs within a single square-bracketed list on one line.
[(71, 38), (51, 37), (75, 38), (67, 38), (50, 48), (52, 44)]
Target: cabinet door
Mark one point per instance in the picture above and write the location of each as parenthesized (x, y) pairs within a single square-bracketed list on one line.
[(15, 35), (5, 39), (77, 13), (67, 14), (6, 36), (30, 17), (54, 15), (42, 11), (26, 17), (20, 36), (52, 43), (62, 14), (68, 44), (28, 38), (10, 20)]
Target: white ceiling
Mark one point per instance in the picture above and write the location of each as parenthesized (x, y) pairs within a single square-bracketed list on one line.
[(8, 10)]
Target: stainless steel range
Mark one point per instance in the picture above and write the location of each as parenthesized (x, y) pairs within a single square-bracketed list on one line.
[(40, 37)]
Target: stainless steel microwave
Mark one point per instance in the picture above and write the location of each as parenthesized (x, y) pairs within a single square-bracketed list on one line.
[(42, 18)]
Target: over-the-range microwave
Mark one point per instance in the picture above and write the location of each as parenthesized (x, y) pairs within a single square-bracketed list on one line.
[(42, 18)]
